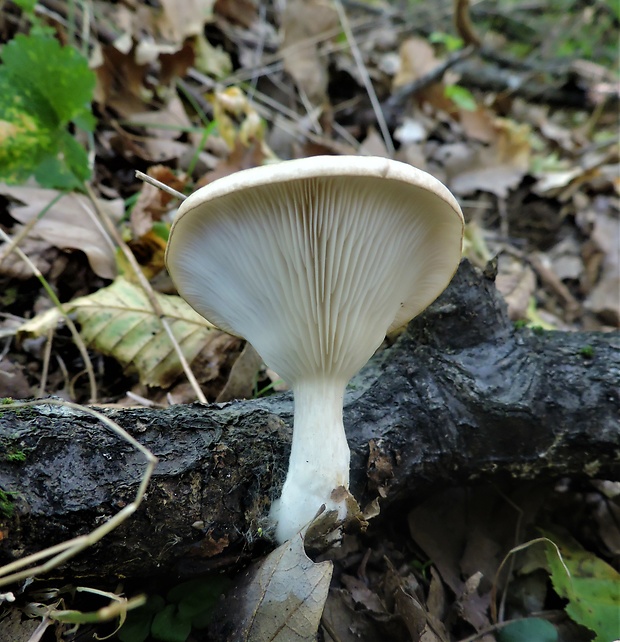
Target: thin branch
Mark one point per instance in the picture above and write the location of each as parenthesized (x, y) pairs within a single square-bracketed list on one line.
[(402, 94), (162, 186), (370, 90), (146, 287)]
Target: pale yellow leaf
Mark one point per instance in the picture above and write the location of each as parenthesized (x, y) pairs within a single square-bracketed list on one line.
[(118, 321)]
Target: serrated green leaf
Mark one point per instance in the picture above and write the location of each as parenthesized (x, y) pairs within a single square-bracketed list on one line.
[(43, 88), (591, 586), (55, 82), (527, 630), (66, 168)]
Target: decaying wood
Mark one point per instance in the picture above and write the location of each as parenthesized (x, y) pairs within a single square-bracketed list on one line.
[(460, 397)]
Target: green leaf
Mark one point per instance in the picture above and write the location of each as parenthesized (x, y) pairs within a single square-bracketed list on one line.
[(169, 626), (450, 42), (138, 623), (527, 630), (26, 5), (461, 97), (55, 82), (591, 586), (67, 168), (43, 88), (197, 598)]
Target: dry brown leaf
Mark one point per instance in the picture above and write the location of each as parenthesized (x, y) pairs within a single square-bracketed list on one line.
[(242, 12), (149, 251), (165, 123), (479, 124), (182, 19), (500, 167), (347, 623), (125, 73), (417, 58), (604, 300), (49, 260), (362, 595), (242, 378), (281, 599), (13, 382), (71, 223), (304, 24), (120, 81), (516, 282), (14, 628), (241, 157)]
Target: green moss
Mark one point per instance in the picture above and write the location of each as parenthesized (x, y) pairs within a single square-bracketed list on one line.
[(6, 503), (587, 352), (17, 456)]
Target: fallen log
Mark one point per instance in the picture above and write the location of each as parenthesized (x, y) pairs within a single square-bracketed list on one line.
[(461, 397)]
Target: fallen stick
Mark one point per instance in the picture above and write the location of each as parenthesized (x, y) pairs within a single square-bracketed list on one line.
[(461, 397)]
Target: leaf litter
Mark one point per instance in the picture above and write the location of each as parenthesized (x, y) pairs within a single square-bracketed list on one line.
[(208, 88)]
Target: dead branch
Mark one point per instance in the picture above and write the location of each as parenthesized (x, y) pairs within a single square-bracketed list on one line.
[(460, 397)]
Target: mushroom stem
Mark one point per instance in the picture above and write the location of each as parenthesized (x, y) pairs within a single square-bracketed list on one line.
[(320, 457)]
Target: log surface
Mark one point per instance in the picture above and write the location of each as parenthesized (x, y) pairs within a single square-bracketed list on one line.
[(461, 396)]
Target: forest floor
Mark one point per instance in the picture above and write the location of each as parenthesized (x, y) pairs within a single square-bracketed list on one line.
[(514, 106)]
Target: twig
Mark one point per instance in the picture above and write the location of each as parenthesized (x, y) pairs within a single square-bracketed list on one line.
[(370, 90), (27, 228), (146, 286), (397, 99), (47, 355), (74, 331), (162, 186)]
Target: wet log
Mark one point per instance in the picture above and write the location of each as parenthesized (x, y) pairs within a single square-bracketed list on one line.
[(461, 397)]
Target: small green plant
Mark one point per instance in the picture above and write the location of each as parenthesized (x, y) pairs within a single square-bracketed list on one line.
[(461, 97), (587, 351), (448, 41), (45, 92), (187, 606)]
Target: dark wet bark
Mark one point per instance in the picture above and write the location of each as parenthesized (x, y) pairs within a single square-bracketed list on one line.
[(462, 396)]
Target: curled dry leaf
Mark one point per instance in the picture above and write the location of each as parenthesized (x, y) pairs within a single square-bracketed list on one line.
[(69, 224), (279, 600)]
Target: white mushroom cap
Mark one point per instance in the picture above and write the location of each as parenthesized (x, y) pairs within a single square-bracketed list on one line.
[(313, 261)]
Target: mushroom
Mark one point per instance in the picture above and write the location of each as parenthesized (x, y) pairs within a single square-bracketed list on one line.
[(313, 261)]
